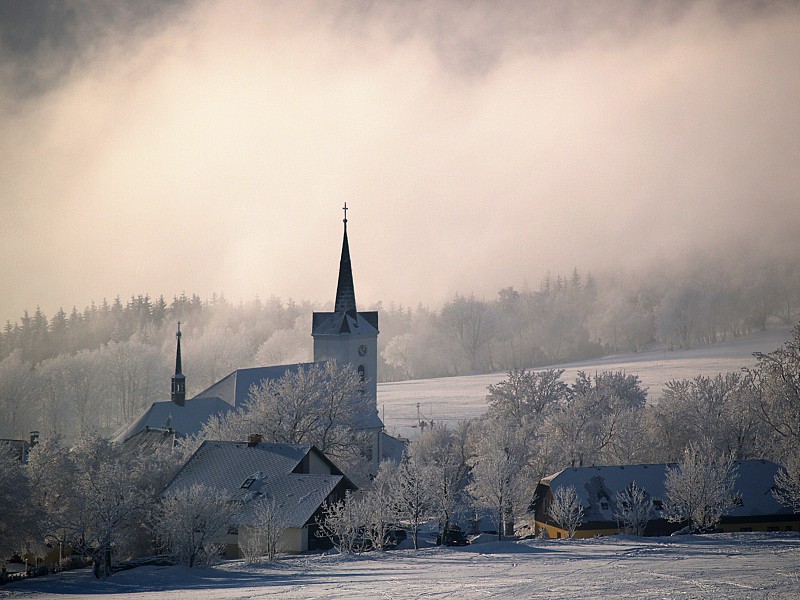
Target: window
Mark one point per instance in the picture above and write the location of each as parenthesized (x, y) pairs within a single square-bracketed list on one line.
[(737, 501), (788, 528), (658, 504), (248, 482), (773, 528), (361, 373), (745, 529), (233, 530), (604, 505)]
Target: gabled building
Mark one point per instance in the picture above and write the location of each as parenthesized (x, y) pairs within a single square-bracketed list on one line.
[(597, 487), (299, 478), (346, 335)]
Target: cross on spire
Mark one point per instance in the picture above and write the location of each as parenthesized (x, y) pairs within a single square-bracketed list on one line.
[(345, 209)]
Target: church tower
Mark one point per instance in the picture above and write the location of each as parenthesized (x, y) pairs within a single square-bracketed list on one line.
[(178, 380), (346, 335)]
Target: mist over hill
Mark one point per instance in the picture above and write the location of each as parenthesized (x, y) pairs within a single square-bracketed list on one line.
[(103, 365)]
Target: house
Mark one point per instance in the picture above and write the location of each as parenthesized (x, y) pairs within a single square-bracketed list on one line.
[(299, 478), (345, 335), (756, 509)]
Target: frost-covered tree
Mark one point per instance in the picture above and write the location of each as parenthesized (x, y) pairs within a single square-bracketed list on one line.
[(787, 483), (621, 322), (472, 324), (525, 395), (17, 386), (594, 423), (287, 346), (53, 475), (501, 477), (343, 523), (413, 491), (320, 405), (92, 495), (108, 491), (634, 509), (719, 409), (776, 387), (18, 516), (133, 374), (190, 523), (379, 507), (446, 454), (565, 509), (701, 488), (262, 536)]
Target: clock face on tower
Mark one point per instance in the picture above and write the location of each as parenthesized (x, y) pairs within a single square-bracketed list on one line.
[(362, 350)]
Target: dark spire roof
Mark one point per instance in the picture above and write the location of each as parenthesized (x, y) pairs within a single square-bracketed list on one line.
[(178, 367), (345, 290), (178, 393)]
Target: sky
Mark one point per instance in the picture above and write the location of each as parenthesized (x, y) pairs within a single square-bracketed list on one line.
[(208, 147)]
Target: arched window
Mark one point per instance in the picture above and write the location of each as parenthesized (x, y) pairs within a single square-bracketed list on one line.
[(361, 373)]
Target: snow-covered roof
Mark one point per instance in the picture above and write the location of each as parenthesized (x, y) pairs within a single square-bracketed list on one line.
[(235, 388), (337, 323), (249, 472), (149, 439), (184, 420), (598, 486), (297, 497)]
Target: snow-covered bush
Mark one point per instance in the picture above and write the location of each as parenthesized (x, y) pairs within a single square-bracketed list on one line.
[(787, 484), (566, 509), (263, 536), (343, 523), (634, 509)]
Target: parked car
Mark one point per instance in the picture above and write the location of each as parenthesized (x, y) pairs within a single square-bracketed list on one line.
[(452, 537)]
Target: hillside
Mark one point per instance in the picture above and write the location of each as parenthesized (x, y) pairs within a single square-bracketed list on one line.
[(450, 399)]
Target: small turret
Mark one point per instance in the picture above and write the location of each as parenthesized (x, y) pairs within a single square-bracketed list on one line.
[(178, 394)]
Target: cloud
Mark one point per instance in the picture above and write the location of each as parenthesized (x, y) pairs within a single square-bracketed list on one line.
[(207, 147)]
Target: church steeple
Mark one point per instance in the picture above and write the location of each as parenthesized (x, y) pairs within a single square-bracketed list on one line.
[(178, 395), (345, 290)]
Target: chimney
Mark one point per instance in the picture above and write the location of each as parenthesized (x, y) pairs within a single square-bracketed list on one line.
[(254, 439), (34, 438)]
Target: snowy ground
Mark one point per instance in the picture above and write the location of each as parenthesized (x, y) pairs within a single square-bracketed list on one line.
[(451, 399), (748, 565)]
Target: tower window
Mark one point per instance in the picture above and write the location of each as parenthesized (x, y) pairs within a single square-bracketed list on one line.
[(361, 373)]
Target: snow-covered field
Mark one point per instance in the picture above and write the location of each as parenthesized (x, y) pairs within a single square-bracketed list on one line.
[(450, 399), (746, 565)]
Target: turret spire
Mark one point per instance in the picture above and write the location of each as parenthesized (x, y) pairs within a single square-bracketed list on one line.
[(178, 395), (345, 290)]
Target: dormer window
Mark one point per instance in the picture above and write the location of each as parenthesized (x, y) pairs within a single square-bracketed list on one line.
[(248, 482), (604, 505)]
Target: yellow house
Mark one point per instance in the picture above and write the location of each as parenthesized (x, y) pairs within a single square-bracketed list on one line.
[(756, 508), (299, 478)]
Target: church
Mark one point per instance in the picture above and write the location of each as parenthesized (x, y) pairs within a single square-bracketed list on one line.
[(344, 335)]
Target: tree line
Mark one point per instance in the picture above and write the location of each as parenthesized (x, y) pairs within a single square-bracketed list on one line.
[(101, 366)]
